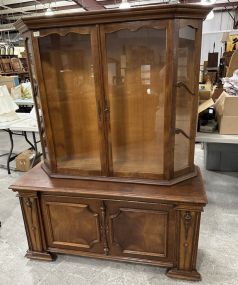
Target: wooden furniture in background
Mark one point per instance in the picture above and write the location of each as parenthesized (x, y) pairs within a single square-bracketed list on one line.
[(117, 93)]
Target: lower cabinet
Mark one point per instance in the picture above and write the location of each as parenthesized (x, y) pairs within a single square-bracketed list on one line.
[(117, 228), (158, 225)]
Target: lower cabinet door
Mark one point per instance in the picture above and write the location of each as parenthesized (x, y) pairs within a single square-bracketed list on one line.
[(141, 230), (72, 223)]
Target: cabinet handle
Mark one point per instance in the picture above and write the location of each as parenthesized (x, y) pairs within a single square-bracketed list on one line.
[(182, 84)]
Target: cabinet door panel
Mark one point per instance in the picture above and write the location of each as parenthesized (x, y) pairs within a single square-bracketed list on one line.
[(135, 62), (68, 71), (141, 230), (72, 223)]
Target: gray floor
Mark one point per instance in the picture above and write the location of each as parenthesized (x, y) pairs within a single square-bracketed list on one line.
[(218, 246)]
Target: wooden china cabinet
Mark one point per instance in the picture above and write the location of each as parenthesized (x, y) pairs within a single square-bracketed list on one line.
[(118, 97)]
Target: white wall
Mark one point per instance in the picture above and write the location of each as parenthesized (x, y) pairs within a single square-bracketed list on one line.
[(213, 31)]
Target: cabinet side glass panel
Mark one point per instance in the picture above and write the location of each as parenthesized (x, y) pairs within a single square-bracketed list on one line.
[(67, 69), (184, 99), (136, 62), (38, 107)]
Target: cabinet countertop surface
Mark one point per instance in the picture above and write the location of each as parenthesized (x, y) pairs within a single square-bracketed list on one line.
[(188, 191)]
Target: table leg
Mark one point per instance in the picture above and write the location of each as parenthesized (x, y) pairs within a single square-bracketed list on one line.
[(10, 153), (26, 138), (34, 141)]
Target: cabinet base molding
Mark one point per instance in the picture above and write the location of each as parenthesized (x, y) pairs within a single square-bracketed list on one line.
[(44, 256), (184, 275), (184, 175), (147, 224)]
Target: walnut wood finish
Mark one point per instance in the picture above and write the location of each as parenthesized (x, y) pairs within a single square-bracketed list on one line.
[(150, 224), (116, 91)]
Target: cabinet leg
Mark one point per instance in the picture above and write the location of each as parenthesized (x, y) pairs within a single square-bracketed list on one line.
[(31, 213), (188, 223), (184, 275), (45, 256)]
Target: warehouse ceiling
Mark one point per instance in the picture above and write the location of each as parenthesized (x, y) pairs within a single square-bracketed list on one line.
[(11, 10)]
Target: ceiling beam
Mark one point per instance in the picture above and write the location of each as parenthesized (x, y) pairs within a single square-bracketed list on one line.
[(90, 5), (65, 5), (10, 2), (226, 4)]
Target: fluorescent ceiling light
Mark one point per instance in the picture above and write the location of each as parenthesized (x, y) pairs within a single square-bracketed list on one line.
[(49, 12), (208, 2), (210, 16), (124, 5)]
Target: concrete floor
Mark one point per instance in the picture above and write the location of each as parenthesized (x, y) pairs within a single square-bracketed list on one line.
[(217, 256)]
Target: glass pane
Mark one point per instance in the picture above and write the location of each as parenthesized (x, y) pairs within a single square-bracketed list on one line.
[(184, 100), (136, 79), (37, 100), (69, 83)]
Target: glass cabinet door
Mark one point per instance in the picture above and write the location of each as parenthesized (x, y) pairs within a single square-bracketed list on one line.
[(185, 97), (135, 58), (67, 68)]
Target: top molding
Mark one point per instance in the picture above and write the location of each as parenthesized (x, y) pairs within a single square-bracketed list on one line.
[(175, 11)]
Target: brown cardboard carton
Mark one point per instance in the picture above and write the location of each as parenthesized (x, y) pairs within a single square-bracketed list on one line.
[(228, 125), (227, 114), (204, 94), (9, 81), (24, 161), (205, 105)]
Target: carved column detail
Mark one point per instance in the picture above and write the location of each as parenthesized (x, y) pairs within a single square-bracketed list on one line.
[(33, 224), (104, 228), (188, 222)]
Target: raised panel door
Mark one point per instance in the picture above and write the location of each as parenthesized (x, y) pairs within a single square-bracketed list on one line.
[(141, 230), (82, 231)]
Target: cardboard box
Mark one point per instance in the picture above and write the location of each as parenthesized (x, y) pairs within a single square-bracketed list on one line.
[(24, 161), (227, 114), (205, 105), (9, 81), (204, 94)]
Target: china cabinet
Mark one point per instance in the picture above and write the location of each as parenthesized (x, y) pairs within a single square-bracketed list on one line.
[(118, 96)]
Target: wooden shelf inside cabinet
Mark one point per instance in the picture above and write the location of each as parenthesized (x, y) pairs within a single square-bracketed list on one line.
[(117, 93)]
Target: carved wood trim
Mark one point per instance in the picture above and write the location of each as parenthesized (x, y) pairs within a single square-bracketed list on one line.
[(135, 26), (187, 243), (104, 228), (62, 31), (187, 220), (95, 17)]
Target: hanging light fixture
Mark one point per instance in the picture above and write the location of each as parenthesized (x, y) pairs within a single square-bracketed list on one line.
[(124, 5)]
